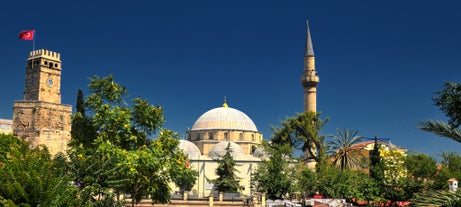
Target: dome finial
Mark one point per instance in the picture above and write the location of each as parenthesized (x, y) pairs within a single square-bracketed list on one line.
[(225, 103)]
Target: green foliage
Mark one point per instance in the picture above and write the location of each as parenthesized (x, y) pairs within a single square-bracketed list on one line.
[(83, 133), (121, 158), (186, 180), (449, 101), (421, 166), (442, 129), (336, 183), (29, 177), (301, 132), (376, 165), (332, 182), (422, 171), (227, 180), (274, 176), (450, 168), (341, 149), (439, 198), (126, 126)]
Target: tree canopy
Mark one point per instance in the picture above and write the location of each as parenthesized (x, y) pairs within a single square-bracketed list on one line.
[(129, 151), (227, 180), (341, 149), (449, 101), (302, 133)]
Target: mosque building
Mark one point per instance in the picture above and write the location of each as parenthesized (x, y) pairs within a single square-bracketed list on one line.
[(208, 139), (224, 126)]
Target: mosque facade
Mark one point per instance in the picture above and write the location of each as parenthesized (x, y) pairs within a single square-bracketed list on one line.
[(224, 126), (207, 140)]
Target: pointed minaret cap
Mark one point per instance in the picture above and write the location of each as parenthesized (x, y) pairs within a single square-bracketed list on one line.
[(309, 49)]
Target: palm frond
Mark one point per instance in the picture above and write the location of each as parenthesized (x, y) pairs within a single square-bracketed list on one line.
[(442, 129)]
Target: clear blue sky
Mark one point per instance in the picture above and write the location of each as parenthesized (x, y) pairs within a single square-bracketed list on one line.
[(379, 62)]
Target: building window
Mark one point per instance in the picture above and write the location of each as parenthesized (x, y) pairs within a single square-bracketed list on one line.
[(226, 135), (210, 135), (253, 149), (253, 137), (241, 136)]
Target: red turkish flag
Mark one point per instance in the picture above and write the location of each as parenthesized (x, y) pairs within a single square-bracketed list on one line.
[(27, 35)]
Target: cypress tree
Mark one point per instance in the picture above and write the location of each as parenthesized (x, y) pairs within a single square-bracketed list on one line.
[(227, 180)]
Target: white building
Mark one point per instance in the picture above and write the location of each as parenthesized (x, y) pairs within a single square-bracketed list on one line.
[(208, 140)]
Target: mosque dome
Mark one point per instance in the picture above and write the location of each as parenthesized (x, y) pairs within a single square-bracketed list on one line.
[(260, 153), (219, 150), (189, 148), (224, 118)]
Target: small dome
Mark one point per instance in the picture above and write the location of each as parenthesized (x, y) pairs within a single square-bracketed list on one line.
[(189, 148), (224, 118), (260, 153), (219, 150)]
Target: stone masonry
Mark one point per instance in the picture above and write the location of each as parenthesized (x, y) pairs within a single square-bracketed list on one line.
[(40, 118)]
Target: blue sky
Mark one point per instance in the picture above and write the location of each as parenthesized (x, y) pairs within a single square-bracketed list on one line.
[(379, 62)]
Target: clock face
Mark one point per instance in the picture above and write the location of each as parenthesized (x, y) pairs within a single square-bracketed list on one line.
[(49, 82)]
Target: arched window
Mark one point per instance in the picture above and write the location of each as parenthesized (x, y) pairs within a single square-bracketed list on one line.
[(241, 136), (253, 149), (253, 137), (226, 135), (210, 135)]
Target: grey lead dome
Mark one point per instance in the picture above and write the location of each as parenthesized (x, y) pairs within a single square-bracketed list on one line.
[(224, 118)]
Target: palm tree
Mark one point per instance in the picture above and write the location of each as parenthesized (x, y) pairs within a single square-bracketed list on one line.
[(342, 150), (442, 129)]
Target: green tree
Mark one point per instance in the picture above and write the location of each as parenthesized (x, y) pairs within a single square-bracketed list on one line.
[(450, 168), (29, 177), (341, 149), (274, 176), (306, 180), (302, 133), (422, 170), (227, 180), (337, 183), (376, 165), (83, 133), (449, 101), (123, 158), (421, 166), (186, 180)]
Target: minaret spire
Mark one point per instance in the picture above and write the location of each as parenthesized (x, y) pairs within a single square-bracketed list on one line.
[(310, 78), (309, 49)]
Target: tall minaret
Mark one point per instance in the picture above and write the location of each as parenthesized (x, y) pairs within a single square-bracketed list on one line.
[(310, 78)]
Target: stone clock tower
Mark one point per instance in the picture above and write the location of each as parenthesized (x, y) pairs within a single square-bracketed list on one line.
[(40, 118)]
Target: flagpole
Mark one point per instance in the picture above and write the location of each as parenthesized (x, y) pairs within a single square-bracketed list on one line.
[(33, 42)]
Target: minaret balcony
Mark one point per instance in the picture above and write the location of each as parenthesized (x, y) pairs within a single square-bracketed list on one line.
[(310, 81)]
